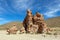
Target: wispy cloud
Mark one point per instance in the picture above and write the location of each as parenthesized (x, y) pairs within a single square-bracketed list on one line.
[(2, 10), (22, 4), (51, 13), (14, 9), (52, 9)]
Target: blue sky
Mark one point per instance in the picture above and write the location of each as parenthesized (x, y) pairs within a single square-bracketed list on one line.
[(15, 10)]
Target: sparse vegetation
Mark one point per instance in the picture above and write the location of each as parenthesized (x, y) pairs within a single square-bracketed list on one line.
[(9, 25), (53, 22)]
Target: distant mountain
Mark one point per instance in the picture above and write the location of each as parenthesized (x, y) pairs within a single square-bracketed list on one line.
[(8, 25), (53, 22)]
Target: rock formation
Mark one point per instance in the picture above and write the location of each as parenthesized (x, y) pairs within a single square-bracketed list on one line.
[(28, 20), (39, 20), (34, 24), (12, 30), (22, 30)]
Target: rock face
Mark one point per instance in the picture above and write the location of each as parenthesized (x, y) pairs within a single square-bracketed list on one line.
[(34, 24), (28, 20), (39, 20)]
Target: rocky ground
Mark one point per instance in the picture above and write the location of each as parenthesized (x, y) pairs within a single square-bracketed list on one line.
[(4, 36)]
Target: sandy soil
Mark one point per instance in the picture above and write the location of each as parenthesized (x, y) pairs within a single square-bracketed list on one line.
[(4, 36)]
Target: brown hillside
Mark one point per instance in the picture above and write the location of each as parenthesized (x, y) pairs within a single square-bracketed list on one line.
[(8, 25), (53, 22)]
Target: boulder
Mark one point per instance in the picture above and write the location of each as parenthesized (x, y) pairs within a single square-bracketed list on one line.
[(12, 30), (22, 30)]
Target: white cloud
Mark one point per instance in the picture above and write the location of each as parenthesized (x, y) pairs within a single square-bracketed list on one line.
[(51, 13), (52, 9), (2, 10), (22, 4)]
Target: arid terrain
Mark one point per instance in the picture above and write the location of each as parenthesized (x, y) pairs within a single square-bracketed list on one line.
[(4, 36), (53, 23)]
